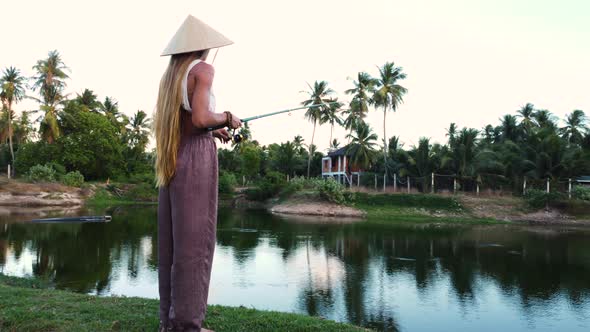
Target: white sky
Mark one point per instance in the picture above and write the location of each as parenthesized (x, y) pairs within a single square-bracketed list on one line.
[(467, 61)]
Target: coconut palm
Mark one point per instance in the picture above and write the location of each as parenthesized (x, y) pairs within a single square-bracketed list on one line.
[(527, 112), (388, 95), (23, 128), (575, 127), (545, 119), (140, 129), (330, 115), (51, 107), (509, 127), (362, 146), (51, 72), (451, 133), (12, 90), (334, 145), (364, 88), (110, 109), (89, 100), (319, 94)]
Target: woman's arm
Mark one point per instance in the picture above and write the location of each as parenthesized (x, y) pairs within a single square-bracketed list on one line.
[(201, 116)]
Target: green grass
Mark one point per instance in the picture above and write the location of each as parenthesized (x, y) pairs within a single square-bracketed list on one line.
[(27, 305), (417, 208)]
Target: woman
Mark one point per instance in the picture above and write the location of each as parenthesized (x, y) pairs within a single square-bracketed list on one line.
[(186, 174)]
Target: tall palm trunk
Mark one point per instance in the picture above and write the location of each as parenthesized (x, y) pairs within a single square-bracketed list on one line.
[(331, 131), (309, 157), (384, 141), (10, 133)]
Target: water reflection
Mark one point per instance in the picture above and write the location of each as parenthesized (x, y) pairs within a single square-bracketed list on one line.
[(395, 278)]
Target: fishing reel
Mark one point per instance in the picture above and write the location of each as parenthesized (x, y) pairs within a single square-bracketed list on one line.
[(237, 138)]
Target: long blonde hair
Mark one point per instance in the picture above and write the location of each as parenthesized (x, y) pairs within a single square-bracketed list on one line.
[(167, 119)]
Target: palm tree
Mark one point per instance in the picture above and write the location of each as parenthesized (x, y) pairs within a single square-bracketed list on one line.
[(362, 146), (318, 94), (389, 95), (89, 100), (545, 119), (509, 127), (575, 127), (23, 128), (51, 72), (140, 125), (330, 115), (110, 109), (50, 80), (334, 145), (451, 133), (364, 88), (12, 90), (527, 112)]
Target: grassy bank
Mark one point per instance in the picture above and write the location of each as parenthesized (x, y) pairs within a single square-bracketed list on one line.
[(388, 208), (28, 305)]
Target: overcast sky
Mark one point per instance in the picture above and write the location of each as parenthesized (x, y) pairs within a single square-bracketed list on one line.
[(467, 61)]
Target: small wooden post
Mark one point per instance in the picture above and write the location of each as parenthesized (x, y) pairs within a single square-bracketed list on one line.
[(569, 188), (287, 177), (477, 189), (548, 186), (408, 184), (432, 183), (375, 181), (8, 171), (524, 187), (384, 181), (454, 185), (358, 179)]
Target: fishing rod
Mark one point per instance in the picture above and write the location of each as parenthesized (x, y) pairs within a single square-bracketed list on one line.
[(237, 138)]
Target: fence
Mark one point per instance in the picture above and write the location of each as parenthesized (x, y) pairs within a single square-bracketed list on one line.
[(483, 184)]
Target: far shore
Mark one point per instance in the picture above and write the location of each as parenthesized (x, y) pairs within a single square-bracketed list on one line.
[(22, 199)]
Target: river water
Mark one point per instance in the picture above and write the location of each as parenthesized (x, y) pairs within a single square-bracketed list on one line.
[(402, 277)]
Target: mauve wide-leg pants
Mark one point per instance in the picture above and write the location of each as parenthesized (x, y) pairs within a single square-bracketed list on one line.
[(187, 222)]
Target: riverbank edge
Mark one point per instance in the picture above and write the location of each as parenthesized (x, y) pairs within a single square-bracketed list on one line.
[(32, 305)]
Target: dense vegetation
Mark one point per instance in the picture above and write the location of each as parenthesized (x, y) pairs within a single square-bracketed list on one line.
[(97, 139)]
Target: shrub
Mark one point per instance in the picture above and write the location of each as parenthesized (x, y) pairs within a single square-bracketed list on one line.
[(268, 187), (539, 198), (331, 191), (73, 179), (142, 192), (60, 170), (41, 173), (581, 192), (227, 182)]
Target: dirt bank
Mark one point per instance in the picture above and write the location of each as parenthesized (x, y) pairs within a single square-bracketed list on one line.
[(513, 209), (21, 194), (323, 209)]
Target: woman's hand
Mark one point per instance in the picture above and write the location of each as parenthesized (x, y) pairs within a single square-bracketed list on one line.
[(234, 122), (222, 134)]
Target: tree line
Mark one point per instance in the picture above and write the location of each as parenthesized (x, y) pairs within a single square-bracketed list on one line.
[(74, 132), (95, 137)]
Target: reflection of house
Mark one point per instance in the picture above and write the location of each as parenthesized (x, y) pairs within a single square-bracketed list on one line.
[(583, 180), (336, 164)]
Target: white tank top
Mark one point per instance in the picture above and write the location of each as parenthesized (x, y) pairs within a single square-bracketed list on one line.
[(185, 100)]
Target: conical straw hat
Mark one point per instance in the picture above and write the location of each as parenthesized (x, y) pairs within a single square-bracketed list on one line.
[(195, 35)]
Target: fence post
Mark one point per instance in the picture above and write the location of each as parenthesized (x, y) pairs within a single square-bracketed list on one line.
[(287, 177), (375, 181), (384, 181), (408, 184), (524, 187), (8, 171), (394, 182), (569, 188), (358, 179), (432, 183), (454, 185), (477, 189), (548, 188)]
